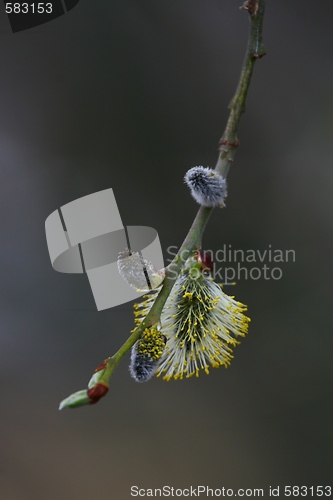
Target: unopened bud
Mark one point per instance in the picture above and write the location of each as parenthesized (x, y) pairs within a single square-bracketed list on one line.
[(208, 188), (79, 398), (95, 391)]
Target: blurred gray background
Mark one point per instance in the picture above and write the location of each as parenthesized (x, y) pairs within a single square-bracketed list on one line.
[(129, 94)]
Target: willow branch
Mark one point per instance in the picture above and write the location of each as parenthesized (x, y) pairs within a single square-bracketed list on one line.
[(227, 148)]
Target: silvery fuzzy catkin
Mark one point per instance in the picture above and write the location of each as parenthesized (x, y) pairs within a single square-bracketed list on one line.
[(145, 355), (208, 188)]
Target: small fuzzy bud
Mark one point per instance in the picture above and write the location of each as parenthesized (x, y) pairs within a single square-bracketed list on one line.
[(208, 188), (142, 367), (145, 355), (138, 272)]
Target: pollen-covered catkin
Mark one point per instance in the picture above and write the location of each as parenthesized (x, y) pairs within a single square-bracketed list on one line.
[(145, 355), (208, 188), (201, 324)]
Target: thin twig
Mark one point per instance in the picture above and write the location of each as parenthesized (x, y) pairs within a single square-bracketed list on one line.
[(227, 148)]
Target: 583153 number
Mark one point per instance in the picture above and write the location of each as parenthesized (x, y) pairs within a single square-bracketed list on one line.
[(29, 8), (306, 491)]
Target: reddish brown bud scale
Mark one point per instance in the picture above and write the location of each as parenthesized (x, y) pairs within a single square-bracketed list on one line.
[(101, 367), (228, 143), (251, 6), (204, 259), (97, 392)]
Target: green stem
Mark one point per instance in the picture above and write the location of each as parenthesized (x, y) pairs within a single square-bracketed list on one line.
[(255, 50), (227, 147)]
